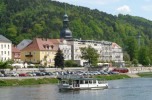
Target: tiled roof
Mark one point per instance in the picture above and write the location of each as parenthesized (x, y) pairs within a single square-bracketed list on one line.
[(41, 44), (14, 49), (4, 39)]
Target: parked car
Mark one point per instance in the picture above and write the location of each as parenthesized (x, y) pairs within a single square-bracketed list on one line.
[(39, 73), (48, 73), (113, 72), (103, 72), (121, 70), (14, 74), (31, 74), (1, 75), (23, 74)]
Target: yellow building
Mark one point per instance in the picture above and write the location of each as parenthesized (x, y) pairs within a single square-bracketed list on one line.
[(40, 51)]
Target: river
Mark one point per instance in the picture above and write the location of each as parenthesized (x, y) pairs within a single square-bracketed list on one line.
[(127, 89)]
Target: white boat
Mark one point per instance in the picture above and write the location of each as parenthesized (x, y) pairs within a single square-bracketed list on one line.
[(81, 84)]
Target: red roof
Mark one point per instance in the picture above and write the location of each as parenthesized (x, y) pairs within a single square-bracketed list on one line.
[(14, 49), (41, 44)]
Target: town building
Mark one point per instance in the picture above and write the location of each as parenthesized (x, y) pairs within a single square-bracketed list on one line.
[(5, 49), (16, 54), (108, 51), (40, 51)]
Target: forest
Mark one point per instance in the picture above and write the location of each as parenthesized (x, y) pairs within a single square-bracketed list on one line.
[(27, 19)]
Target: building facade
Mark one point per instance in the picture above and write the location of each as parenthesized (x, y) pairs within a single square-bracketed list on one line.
[(107, 51), (40, 51), (16, 54), (5, 49)]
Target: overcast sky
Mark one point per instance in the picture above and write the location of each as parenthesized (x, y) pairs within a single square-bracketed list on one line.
[(142, 8)]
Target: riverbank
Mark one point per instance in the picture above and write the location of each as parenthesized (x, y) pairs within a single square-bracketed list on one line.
[(30, 81), (145, 74), (113, 77), (41, 80)]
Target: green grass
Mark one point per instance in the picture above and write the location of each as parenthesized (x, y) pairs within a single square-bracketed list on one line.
[(145, 74), (112, 77), (16, 82)]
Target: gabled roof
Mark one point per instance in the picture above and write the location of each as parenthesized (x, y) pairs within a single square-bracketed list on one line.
[(41, 44), (4, 39), (23, 44)]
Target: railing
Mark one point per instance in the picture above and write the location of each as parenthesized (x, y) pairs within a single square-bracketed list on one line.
[(29, 55)]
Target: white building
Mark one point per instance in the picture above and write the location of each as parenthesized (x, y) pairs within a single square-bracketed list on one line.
[(66, 49), (117, 54), (5, 48), (107, 51)]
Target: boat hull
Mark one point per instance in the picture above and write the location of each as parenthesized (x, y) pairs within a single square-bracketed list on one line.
[(105, 86)]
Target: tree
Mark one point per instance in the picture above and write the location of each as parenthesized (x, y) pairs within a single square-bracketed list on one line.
[(90, 54), (126, 56), (150, 51), (3, 65), (59, 59), (144, 56), (131, 48)]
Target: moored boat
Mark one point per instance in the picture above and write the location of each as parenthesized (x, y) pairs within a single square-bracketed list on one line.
[(81, 83)]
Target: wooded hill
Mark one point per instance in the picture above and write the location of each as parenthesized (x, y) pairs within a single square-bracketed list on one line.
[(20, 19)]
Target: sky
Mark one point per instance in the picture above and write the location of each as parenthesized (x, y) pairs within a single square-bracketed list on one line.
[(141, 8)]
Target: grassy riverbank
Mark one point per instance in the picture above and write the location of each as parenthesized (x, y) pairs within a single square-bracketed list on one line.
[(112, 77), (16, 82), (145, 74)]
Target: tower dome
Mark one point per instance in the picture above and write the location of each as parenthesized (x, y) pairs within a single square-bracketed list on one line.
[(65, 32)]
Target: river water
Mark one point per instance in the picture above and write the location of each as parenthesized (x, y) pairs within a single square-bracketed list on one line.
[(127, 89)]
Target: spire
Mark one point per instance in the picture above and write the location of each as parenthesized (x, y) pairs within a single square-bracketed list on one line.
[(65, 7), (65, 33), (139, 36)]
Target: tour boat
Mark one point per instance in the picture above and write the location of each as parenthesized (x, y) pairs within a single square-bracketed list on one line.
[(81, 83)]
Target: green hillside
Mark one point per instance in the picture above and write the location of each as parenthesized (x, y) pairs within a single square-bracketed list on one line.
[(20, 19)]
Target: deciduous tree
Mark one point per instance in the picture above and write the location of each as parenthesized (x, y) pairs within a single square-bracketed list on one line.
[(90, 54)]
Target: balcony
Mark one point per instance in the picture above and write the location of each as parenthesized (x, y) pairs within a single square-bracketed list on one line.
[(29, 55)]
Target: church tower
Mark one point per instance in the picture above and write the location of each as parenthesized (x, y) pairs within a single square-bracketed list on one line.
[(66, 32)]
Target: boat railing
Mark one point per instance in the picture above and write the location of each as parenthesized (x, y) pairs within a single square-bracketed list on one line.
[(70, 76)]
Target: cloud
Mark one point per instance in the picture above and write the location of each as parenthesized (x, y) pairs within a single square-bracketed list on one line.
[(123, 9), (147, 8)]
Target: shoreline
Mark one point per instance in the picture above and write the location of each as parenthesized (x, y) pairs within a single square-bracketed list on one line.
[(21, 81)]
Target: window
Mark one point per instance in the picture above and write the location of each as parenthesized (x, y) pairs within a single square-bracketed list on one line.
[(2, 46), (86, 81), (81, 82), (8, 52), (94, 81), (8, 46)]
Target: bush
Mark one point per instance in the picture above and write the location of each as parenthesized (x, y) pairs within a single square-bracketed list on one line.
[(70, 63)]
